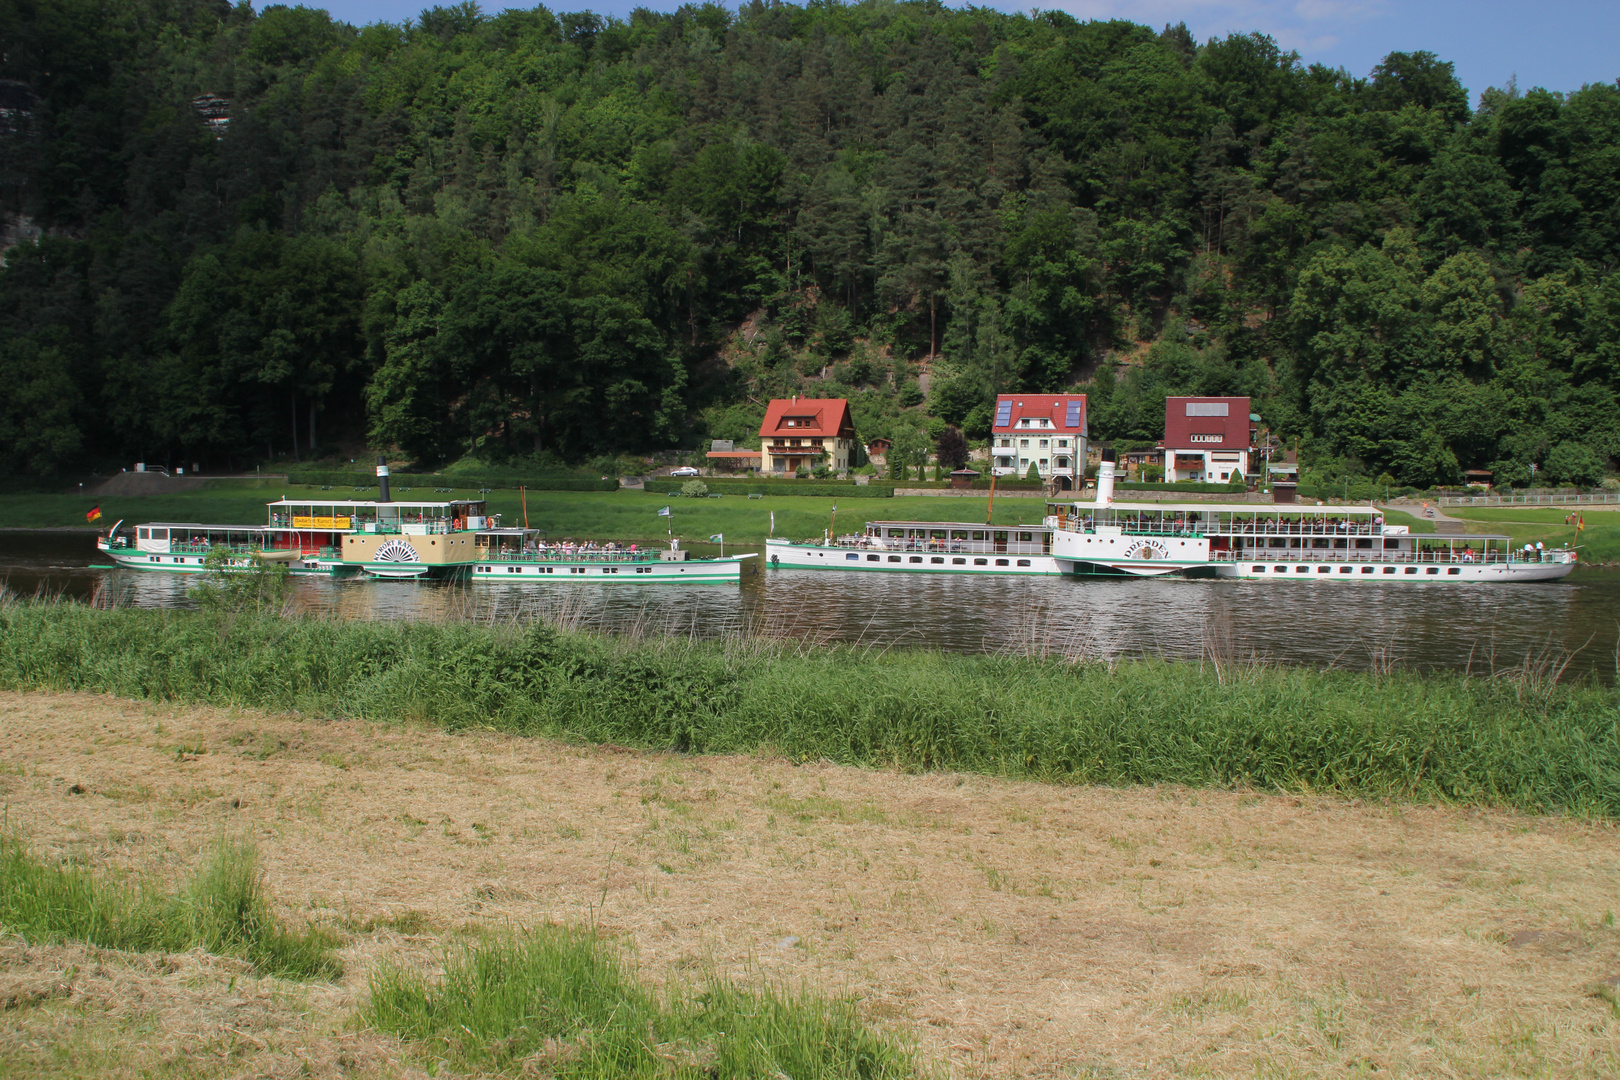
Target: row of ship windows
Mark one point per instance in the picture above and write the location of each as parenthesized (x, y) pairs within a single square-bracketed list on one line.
[(570, 569), (936, 559), (1260, 569)]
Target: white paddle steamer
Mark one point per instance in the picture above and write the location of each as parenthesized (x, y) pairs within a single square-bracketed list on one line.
[(925, 547), (383, 538), (1278, 542)]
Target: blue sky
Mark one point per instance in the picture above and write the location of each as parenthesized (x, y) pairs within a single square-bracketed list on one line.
[(1558, 44)]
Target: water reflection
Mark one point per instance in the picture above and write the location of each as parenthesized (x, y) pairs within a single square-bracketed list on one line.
[(1303, 623)]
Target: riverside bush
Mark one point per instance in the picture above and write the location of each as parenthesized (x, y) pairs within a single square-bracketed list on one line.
[(1525, 742)]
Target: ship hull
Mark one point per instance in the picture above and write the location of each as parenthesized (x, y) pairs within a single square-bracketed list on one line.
[(603, 572), (783, 556), (193, 563), (1405, 573)]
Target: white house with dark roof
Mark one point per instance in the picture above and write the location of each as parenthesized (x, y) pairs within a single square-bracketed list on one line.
[(1206, 438)]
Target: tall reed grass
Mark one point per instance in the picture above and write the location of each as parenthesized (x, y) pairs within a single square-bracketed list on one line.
[(1520, 739), (562, 1002), (223, 909)]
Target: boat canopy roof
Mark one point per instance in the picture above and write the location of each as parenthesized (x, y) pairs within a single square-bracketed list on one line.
[(200, 525), (510, 530), (402, 504)]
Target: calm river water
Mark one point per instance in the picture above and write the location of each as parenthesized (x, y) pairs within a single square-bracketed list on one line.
[(1351, 626)]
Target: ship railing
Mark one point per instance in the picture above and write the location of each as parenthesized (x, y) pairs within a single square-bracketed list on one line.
[(1185, 530), (1299, 529), (1306, 555), (574, 556), (1193, 529), (203, 547), (372, 528), (935, 547)]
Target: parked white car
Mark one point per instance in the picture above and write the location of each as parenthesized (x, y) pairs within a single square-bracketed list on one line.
[(684, 470)]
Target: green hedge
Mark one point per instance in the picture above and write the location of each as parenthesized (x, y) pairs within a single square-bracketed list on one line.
[(1179, 485), (981, 484), (460, 481), (822, 488)]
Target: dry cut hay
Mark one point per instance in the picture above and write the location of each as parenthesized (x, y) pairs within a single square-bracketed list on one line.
[(1013, 928)]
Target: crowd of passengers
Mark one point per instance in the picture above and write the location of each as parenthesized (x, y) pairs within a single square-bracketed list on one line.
[(916, 543), (580, 549), (1184, 526)]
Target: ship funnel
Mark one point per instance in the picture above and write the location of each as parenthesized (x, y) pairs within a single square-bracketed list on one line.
[(1105, 479), (382, 479)]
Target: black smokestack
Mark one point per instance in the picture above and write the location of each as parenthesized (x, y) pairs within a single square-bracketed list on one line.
[(382, 479), (1110, 455)]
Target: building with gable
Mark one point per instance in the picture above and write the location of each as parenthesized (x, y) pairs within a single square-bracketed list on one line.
[(1206, 438), (1044, 430), (801, 433)]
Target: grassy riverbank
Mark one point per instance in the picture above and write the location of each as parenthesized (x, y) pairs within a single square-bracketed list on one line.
[(1599, 541), (595, 515), (587, 515), (1519, 739)]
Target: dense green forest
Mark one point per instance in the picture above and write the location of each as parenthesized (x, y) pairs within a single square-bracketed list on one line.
[(257, 236)]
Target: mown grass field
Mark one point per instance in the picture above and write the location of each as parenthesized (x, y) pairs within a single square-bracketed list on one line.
[(1599, 541), (1005, 928)]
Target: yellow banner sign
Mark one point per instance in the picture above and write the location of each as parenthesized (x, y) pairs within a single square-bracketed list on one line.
[(319, 522)]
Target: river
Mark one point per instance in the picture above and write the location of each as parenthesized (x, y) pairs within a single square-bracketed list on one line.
[(1477, 627)]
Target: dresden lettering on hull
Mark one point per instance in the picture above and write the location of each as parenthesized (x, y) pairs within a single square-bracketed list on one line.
[(1147, 549)]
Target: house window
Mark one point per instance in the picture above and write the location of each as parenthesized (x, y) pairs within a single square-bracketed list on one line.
[(1043, 443), (1063, 443), (1006, 442), (1023, 442), (1043, 463), (1204, 438)]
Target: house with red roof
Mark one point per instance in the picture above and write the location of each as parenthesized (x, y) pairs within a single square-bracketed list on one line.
[(801, 433), (1206, 438), (1044, 430)]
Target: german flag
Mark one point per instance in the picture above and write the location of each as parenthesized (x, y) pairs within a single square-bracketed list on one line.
[(94, 515)]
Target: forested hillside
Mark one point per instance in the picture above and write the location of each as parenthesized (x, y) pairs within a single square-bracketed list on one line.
[(562, 235)]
